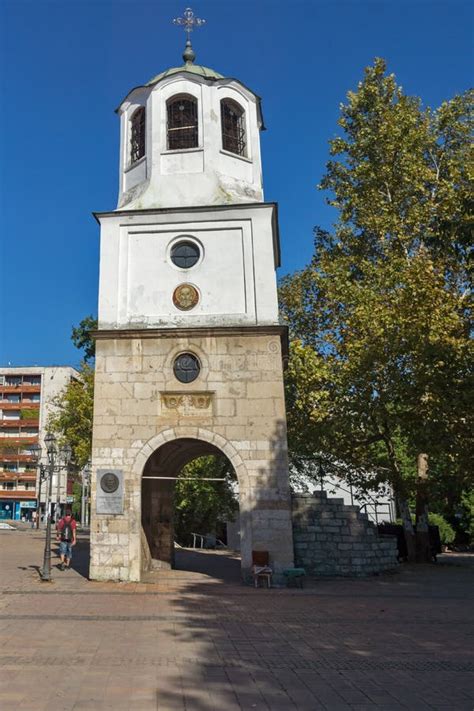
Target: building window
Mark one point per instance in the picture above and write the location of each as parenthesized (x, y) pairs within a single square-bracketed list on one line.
[(185, 254), (233, 127), (12, 398), (137, 135), (182, 123), (9, 485), (186, 367)]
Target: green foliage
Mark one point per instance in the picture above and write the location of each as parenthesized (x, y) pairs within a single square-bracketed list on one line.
[(82, 339), (27, 413), (447, 533), (76, 504), (381, 360), (465, 516), (73, 419), (201, 506)]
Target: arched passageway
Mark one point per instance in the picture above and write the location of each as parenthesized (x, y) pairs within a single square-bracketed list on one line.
[(158, 511)]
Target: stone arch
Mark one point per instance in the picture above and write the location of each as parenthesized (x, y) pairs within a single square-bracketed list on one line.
[(187, 435), (189, 432)]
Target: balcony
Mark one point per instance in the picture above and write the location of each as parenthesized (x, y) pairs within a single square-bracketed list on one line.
[(27, 476), (20, 388), (7, 475), (17, 494), (16, 457), (22, 405), (19, 423), (17, 441)]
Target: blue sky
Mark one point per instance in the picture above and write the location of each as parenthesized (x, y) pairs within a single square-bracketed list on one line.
[(65, 65)]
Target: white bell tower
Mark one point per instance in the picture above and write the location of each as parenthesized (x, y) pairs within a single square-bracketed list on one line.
[(189, 346)]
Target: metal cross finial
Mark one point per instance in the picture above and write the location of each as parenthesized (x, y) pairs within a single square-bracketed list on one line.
[(189, 21)]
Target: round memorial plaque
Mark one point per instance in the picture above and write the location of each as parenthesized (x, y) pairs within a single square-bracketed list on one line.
[(109, 483), (185, 297)]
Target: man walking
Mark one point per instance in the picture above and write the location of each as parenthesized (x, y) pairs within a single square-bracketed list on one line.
[(66, 534)]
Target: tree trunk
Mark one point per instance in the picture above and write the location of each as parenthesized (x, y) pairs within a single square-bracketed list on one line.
[(423, 548), (403, 506), (408, 529)]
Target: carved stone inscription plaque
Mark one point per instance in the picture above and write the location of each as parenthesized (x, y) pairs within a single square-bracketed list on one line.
[(109, 491), (191, 404)]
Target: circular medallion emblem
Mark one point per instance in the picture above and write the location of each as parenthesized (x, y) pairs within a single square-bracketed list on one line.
[(109, 483), (185, 297)]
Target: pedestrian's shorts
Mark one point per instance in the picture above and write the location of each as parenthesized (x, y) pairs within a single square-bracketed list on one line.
[(65, 549)]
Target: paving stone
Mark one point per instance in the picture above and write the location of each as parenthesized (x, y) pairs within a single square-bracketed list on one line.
[(198, 639)]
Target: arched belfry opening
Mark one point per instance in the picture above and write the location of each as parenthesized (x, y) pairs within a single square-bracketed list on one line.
[(164, 470)]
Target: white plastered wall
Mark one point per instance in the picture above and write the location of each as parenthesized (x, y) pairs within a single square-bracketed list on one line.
[(204, 175), (235, 277)]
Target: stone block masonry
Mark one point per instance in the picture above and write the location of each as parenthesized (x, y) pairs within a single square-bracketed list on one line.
[(148, 423), (331, 538)]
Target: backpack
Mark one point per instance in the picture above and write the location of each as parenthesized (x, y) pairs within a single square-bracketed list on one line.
[(66, 531)]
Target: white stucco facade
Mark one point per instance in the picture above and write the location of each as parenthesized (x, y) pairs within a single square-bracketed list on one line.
[(235, 274), (204, 175)]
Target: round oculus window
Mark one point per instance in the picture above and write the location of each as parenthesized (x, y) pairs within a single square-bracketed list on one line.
[(186, 367), (185, 254)]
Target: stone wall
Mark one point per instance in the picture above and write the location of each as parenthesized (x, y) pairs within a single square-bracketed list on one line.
[(331, 538), (145, 420)]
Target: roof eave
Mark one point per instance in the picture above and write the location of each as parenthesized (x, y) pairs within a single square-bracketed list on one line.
[(211, 79)]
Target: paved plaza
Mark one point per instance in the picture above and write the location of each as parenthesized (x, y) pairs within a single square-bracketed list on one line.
[(193, 640)]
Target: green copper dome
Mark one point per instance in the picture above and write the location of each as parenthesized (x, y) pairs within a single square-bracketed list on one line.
[(188, 67)]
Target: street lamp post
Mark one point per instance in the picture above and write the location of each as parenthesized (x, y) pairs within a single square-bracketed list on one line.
[(49, 469), (86, 477), (64, 456), (35, 450)]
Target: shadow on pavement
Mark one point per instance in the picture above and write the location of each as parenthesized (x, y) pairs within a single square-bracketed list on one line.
[(221, 565)]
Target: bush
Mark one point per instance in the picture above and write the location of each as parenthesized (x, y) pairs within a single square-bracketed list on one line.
[(447, 533)]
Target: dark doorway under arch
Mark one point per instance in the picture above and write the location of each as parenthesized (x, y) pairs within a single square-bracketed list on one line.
[(158, 498)]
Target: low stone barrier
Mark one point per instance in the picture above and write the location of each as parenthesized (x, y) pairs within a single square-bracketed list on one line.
[(332, 538)]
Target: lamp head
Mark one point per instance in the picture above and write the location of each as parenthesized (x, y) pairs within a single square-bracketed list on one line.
[(66, 453), (50, 442), (35, 450)]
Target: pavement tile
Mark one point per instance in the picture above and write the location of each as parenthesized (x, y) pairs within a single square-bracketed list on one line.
[(189, 641)]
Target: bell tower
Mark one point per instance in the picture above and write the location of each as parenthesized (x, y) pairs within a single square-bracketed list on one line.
[(189, 346)]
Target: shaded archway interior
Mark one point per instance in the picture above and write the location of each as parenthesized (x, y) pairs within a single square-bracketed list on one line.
[(158, 497)]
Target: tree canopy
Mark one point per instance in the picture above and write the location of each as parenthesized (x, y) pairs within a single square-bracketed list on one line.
[(380, 320), (204, 506), (82, 339), (73, 415)]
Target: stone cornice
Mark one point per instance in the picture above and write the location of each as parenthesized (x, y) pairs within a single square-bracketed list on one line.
[(203, 332)]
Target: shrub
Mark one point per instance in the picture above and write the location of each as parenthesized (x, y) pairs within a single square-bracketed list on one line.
[(447, 533)]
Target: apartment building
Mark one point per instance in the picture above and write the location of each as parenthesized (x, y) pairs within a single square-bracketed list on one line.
[(27, 398)]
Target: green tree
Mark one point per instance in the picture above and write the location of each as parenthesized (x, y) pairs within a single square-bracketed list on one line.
[(72, 418), (82, 339), (203, 506), (381, 361)]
